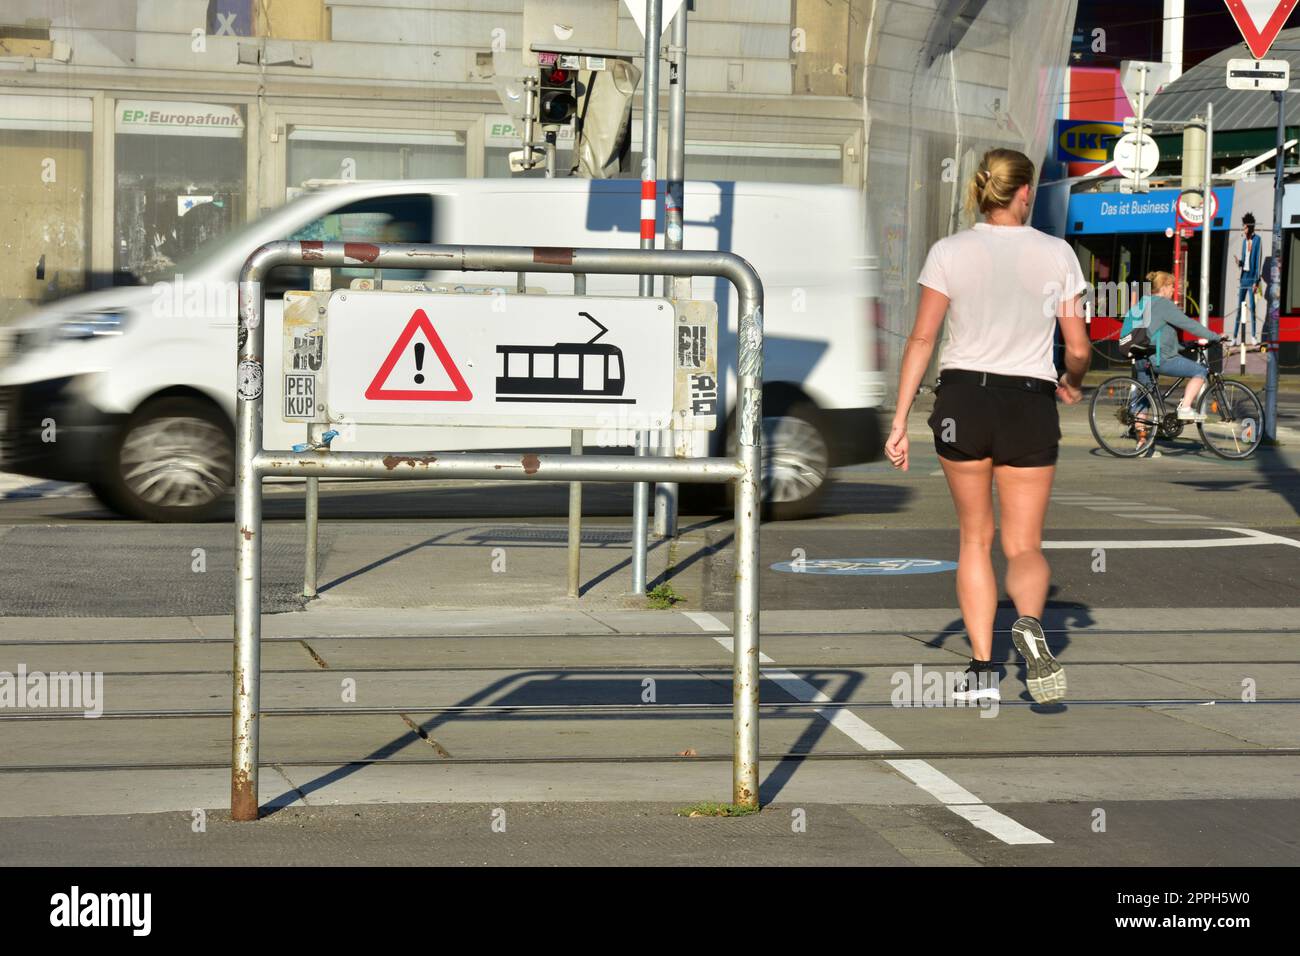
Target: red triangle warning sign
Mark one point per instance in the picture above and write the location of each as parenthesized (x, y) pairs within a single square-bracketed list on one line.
[(378, 390), (1260, 21)]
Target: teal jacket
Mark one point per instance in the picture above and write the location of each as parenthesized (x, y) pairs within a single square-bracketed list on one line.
[(1166, 319)]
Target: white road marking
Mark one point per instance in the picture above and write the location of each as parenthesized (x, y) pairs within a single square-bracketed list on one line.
[(1125, 510), (937, 784), (706, 622), (934, 782), (998, 824), (1253, 538)]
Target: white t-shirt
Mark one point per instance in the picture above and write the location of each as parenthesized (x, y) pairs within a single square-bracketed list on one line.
[(1004, 284)]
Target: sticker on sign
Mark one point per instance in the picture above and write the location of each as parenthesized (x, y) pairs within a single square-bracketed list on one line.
[(556, 361)]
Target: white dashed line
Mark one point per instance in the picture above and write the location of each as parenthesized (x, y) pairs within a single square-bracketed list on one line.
[(934, 782), (706, 622)]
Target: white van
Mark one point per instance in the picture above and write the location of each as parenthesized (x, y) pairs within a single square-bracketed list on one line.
[(132, 390)]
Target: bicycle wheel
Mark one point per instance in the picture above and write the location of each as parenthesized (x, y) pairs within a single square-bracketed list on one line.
[(1124, 416), (1234, 419)]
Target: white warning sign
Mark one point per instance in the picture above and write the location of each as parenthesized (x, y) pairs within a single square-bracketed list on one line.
[(555, 361)]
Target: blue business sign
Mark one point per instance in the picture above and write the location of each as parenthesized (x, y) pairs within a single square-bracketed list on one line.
[(1086, 141), (1135, 212)]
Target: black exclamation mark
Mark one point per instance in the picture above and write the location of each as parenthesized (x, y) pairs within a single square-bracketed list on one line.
[(419, 363)]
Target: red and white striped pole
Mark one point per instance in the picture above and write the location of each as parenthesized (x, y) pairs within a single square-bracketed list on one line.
[(648, 189), (649, 150)]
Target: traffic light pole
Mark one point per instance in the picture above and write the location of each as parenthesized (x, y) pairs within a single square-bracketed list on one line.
[(649, 205), (666, 494)]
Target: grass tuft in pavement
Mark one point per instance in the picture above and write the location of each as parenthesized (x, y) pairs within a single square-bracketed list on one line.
[(662, 597), (717, 810)]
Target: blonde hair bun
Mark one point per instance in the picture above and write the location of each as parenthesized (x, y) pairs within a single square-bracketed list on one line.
[(1001, 173)]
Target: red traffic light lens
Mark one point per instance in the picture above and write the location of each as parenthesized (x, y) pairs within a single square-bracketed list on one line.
[(558, 77)]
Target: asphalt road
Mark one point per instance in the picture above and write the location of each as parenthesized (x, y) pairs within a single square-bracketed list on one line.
[(478, 685)]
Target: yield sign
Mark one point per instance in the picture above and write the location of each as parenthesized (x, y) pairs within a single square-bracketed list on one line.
[(637, 8), (1260, 21), (378, 390)]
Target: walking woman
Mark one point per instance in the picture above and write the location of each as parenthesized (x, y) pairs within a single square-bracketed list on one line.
[(1003, 287)]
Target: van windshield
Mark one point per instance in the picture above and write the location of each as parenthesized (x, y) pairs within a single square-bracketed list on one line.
[(222, 245), (399, 218)]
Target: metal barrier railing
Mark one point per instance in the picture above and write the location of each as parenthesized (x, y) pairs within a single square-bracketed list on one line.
[(253, 462)]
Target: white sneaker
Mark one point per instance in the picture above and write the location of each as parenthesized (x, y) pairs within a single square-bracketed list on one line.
[(1186, 414), (1044, 677)]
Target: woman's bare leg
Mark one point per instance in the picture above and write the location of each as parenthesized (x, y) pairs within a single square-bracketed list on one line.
[(971, 484), (1023, 494), (1192, 390)]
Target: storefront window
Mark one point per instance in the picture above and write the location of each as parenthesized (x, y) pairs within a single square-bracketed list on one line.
[(45, 147), (763, 163), (180, 180), (324, 153)]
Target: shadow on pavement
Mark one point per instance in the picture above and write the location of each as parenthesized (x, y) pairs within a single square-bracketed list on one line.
[(620, 686)]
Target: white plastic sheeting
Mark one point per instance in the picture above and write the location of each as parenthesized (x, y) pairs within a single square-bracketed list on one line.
[(945, 80)]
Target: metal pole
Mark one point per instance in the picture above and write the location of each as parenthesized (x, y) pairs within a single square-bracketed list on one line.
[(1138, 182), (1275, 281), (1207, 226), (649, 180), (575, 487), (253, 463), (640, 510), (313, 524), (246, 695), (744, 666), (575, 519), (312, 518), (666, 494), (322, 282)]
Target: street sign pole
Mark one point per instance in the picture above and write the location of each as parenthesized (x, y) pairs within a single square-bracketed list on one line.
[(1207, 226), (649, 184), (1141, 122), (667, 494), (1275, 283)]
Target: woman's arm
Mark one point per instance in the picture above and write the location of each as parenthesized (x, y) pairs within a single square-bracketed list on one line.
[(920, 347), (1078, 350), (930, 311), (1180, 320)]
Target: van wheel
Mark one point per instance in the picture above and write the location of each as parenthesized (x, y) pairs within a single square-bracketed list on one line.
[(174, 460), (796, 457)]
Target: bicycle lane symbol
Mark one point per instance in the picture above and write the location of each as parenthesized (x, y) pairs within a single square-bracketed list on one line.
[(867, 566)]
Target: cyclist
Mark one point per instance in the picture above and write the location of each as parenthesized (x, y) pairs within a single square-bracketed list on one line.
[(1164, 322)]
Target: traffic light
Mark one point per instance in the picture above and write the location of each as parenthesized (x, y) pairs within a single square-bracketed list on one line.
[(557, 101)]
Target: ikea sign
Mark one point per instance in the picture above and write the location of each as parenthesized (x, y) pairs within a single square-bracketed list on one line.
[(1086, 141)]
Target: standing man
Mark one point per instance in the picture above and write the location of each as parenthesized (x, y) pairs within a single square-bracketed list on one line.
[(1249, 264)]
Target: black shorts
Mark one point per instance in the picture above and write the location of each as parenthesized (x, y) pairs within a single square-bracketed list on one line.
[(1013, 427)]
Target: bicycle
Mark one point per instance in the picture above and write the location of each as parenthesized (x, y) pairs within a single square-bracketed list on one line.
[(1127, 416)]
